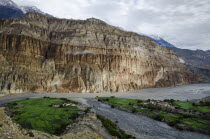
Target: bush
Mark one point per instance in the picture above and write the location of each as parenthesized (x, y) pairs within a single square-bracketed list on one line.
[(64, 99), (134, 110), (130, 103), (87, 110), (179, 127), (165, 100), (74, 115), (112, 106), (207, 103), (158, 117), (46, 97), (112, 96), (106, 99), (173, 123), (172, 100), (139, 101)]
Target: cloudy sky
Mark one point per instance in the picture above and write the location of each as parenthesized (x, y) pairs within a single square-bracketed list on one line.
[(184, 23)]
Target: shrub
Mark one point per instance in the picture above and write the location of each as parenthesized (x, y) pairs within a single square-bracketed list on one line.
[(173, 123), (172, 100), (165, 100), (193, 104), (207, 103), (158, 117), (139, 101), (130, 103), (106, 99), (46, 97), (74, 115), (134, 110), (112, 106), (88, 109), (186, 116), (112, 96), (179, 127)]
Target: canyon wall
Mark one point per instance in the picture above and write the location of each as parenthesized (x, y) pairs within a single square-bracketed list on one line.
[(45, 54)]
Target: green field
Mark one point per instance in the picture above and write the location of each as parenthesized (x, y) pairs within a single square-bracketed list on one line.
[(38, 114), (171, 118), (193, 106)]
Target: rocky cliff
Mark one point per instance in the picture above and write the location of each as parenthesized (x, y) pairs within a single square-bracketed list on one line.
[(45, 54)]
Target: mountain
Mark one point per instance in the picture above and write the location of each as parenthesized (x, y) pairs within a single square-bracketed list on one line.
[(191, 58), (194, 58), (46, 54), (33, 9), (8, 9), (160, 41), (198, 61), (8, 3)]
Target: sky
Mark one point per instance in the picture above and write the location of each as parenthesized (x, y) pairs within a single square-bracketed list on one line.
[(184, 23)]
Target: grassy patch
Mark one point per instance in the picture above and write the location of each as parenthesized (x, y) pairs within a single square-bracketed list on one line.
[(197, 123), (113, 129), (125, 103), (192, 106), (38, 114), (173, 117)]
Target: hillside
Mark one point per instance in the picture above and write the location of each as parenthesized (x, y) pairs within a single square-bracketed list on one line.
[(46, 54)]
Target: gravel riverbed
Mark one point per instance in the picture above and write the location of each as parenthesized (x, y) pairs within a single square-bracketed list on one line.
[(140, 126)]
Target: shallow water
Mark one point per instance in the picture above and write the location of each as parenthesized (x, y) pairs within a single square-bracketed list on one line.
[(140, 126)]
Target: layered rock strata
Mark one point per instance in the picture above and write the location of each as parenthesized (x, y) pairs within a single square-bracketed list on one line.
[(45, 54)]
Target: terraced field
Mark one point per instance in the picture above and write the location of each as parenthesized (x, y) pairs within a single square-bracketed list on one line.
[(38, 114)]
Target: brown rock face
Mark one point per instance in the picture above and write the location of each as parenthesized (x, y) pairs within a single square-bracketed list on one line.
[(43, 54)]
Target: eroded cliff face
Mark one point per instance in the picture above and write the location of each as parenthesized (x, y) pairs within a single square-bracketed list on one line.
[(44, 54)]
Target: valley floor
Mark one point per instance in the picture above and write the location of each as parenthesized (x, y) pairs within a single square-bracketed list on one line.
[(182, 92), (140, 126)]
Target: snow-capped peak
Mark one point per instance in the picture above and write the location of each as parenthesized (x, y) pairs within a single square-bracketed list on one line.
[(156, 37), (8, 3), (27, 9)]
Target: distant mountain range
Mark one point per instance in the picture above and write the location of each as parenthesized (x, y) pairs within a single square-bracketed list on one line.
[(198, 61), (9, 9), (192, 58), (161, 41)]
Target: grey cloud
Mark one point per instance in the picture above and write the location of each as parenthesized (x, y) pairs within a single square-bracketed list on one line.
[(184, 23)]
